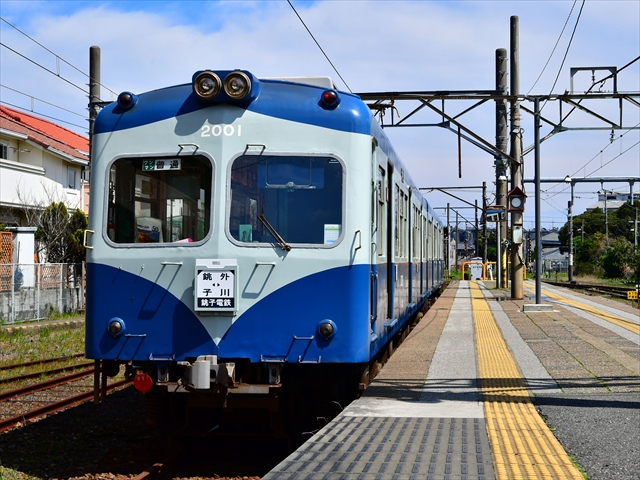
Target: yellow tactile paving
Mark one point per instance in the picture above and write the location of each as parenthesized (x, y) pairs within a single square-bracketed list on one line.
[(621, 322), (522, 445)]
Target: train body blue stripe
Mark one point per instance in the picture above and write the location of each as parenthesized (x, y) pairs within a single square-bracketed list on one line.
[(277, 327)]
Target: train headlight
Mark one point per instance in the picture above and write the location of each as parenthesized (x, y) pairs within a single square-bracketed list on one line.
[(327, 329), (127, 100), (237, 85), (206, 85), (116, 326)]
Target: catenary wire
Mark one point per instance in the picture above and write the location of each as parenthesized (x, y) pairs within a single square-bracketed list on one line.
[(565, 53), (54, 54), (608, 145), (44, 68), (323, 52), (43, 101), (596, 156), (554, 48), (43, 115), (614, 158)]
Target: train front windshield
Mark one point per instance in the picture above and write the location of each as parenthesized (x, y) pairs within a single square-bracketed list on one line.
[(301, 197), (159, 200)]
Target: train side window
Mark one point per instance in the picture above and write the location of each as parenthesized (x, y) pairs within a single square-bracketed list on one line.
[(159, 200), (299, 198)]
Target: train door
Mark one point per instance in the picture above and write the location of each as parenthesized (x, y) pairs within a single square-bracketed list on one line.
[(401, 260), (430, 254), (381, 259), (415, 254), (411, 280), (389, 243), (423, 261)]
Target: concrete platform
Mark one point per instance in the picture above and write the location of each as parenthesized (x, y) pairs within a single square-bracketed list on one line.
[(425, 414)]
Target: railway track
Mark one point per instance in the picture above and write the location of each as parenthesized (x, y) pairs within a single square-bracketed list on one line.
[(617, 292), (37, 399), (44, 361)]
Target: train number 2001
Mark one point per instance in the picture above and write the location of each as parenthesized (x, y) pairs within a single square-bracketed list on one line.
[(217, 130)]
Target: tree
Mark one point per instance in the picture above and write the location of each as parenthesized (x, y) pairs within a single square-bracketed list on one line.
[(59, 235), (588, 253), (491, 245), (617, 259)]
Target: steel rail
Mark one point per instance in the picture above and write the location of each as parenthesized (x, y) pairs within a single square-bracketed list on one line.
[(46, 384), (45, 372), (40, 362), (53, 407)]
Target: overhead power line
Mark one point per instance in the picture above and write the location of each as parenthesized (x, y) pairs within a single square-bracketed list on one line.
[(566, 52), (42, 114), (614, 158), (323, 52), (53, 53), (554, 48), (43, 101), (45, 68), (608, 145)]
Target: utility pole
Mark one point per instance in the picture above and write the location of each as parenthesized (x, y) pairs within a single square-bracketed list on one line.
[(449, 239), (501, 160), (606, 217), (94, 90), (517, 277), (456, 243), (477, 247), (635, 233), (570, 212), (484, 223)]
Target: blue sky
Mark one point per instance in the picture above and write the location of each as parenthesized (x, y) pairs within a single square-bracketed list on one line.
[(375, 45)]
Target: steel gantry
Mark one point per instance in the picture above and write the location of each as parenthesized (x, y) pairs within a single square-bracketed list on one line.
[(596, 105)]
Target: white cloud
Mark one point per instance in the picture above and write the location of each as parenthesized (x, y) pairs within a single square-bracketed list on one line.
[(376, 46)]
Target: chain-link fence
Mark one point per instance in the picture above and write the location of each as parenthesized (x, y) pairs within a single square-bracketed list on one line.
[(36, 291)]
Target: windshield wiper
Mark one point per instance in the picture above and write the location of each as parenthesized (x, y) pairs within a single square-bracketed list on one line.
[(274, 233)]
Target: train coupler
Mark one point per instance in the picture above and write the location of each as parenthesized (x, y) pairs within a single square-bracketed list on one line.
[(206, 370)]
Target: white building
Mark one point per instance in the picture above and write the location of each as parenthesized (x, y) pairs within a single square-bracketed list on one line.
[(40, 163)]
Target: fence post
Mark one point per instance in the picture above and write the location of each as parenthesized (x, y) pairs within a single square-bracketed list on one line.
[(60, 265), (12, 314), (38, 268)]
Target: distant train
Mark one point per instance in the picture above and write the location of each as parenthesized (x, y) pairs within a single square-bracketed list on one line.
[(253, 244)]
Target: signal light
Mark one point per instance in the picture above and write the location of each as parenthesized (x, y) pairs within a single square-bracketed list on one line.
[(445, 231), (330, 99), (126, 100)]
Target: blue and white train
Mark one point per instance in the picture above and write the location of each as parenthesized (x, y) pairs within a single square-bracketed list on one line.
[(254, 242)]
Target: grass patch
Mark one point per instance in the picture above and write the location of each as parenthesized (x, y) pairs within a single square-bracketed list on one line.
[(580, 469), (31, 345), (10, 474)]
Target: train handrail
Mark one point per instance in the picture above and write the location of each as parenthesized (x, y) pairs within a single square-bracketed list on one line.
[(84, 240)]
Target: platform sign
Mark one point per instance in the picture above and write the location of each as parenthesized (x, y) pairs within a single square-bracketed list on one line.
[(216, 286), (494, 213)]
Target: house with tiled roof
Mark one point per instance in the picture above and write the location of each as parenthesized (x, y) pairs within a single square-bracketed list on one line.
[(40, 163)]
